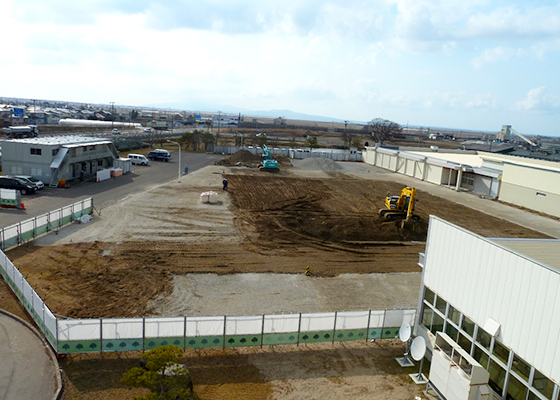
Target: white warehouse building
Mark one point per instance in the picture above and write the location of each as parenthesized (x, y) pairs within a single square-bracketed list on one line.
[(51, 159), (499, 300)]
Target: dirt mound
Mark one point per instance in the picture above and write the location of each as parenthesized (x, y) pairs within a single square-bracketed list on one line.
[(318, 164), (243, 157)]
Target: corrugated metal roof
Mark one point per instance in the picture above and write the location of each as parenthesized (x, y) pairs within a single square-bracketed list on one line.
[(62, 140), (545, 251)]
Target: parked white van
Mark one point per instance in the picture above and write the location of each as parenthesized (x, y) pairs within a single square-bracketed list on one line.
[(138, 159)]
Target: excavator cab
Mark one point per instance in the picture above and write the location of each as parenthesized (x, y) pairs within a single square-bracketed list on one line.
[(400, 207)]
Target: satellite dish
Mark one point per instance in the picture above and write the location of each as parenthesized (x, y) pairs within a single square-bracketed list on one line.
[(418, 348), (404, 332)]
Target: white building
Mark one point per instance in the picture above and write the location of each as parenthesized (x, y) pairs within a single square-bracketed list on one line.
[(51, 159), (499, 300)]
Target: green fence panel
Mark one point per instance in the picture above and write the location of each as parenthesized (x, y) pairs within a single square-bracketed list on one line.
[(280, 338), (66, 220), (79, 346), (350, 334), (243, 340), (374, 333), (152, 343), (122, 345), (11, 242), (390, 333), (202, 342), (26, 236), (41, 229), (315, 337)]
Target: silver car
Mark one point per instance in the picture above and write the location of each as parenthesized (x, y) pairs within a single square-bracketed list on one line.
[(32, 180)]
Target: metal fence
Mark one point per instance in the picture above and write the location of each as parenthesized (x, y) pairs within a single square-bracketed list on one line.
[(68, 336), (21, 232)]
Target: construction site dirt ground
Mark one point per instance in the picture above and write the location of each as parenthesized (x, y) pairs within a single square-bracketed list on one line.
[(164, 252)]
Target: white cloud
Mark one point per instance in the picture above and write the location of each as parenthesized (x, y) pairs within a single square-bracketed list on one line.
[(538, 100)]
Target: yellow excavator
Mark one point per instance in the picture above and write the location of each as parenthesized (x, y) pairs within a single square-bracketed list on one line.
[(400, 207)]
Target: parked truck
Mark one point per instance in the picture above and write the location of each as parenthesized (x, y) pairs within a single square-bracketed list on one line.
[(21, 131)]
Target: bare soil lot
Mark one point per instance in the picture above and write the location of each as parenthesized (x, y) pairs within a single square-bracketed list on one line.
[(127, 261)]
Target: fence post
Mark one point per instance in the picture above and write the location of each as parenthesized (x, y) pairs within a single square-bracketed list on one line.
[(19, 233), (56, 333), (143, 334), (334, 327), (224, 337), (185, 334), (383, 324), (367, 329), (299, 329), (262, 332), (101, 335), (34, 233)]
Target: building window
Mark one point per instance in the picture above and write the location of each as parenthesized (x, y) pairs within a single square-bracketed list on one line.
[(521, 368), (465, 343), (516, 390), (427, 317), (54, 152), (480, 356), (99, 163), (451, 331), (437, 323), (497, 377), (483, 338), (85, 148), (543, 384), (501, 352), (429, 296), (35, 152), (468, 326), (467, 179), (454, 315), (91, 148), (441, 305)]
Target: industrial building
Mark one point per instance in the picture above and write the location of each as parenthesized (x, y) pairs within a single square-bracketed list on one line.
[(525, 182), (498, 299), (52, 159)]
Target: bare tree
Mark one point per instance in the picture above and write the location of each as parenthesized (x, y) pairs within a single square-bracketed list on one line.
[(383, 129)]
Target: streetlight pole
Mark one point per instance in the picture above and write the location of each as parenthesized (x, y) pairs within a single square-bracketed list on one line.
[(219, 121), (179, 169)]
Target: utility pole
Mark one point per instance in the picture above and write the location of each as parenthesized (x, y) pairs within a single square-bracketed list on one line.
[(219, 121), (112, 115)]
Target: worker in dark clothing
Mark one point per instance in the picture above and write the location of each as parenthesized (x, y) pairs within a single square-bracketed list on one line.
[(224, 182)]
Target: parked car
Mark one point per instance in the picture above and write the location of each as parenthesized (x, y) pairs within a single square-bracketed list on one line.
[(7, 182), (159, 155), (116, 132), (138, 159), (147, 130), (40, 185)]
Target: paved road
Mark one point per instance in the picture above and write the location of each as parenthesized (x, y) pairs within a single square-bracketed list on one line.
[(28, 369), (107, 192)]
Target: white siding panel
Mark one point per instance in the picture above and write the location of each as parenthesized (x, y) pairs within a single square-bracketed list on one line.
[(554, 350), (483, 280), (547, 333), (541, 323)]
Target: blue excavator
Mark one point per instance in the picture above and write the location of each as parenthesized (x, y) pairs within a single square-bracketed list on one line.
[(267, 162)]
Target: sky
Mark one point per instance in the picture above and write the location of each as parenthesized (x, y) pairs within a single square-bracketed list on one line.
[(471, 64)]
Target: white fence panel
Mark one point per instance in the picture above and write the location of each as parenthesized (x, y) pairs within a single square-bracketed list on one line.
[(10, 232), (42, 220), (122, 328), (27, 226), (352, 320), (18, 279), (376, 319), (409, 316), (81, 329), (244, 325), (50, 321), (67, 211), (27, 291), (317, 321), (394, 318), (164, 327), (281, 323), (205, 326), (37, 304)]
